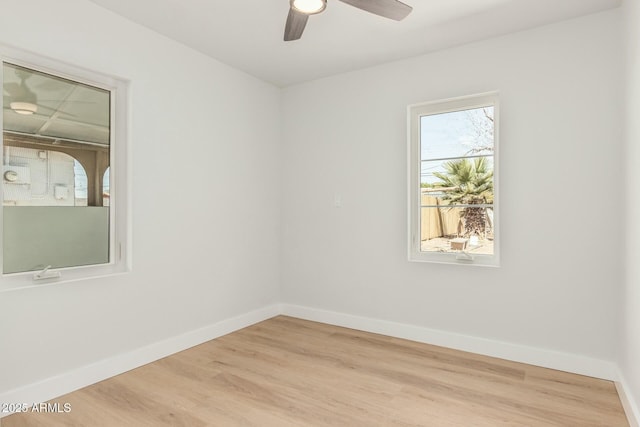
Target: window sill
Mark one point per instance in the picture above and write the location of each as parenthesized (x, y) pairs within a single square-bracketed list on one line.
[(21, 281), (456, 259)]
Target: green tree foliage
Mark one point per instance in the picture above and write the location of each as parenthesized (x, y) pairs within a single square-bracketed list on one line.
[(468, 182)]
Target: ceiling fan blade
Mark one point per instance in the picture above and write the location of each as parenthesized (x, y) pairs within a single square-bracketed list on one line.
[(294, 27), (50, 84), (13, 89), (392, 9)]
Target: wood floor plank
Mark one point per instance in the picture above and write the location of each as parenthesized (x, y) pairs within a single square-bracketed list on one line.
[(290, 372)]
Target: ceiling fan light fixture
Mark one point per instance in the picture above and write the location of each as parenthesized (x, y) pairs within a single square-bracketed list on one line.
[(309, 7), (24, 108)]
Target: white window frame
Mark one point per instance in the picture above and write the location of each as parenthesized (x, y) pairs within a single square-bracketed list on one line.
[(414, 113), (120, 252)]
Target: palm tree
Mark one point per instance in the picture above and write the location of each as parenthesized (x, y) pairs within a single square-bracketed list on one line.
[(468, 183)]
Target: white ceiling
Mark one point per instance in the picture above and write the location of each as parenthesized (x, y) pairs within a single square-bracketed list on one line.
[(247, 34)]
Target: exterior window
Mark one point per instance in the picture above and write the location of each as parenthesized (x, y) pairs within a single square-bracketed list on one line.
[(453, 181), (63, 156)]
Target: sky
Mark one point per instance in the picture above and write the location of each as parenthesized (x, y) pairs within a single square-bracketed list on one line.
[(453, 134)]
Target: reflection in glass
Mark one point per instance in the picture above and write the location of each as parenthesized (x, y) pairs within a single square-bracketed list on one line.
[(106, 194), (56, 149)]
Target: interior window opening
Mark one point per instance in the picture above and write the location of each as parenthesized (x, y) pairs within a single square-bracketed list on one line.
[(56, 153), (453, 160)]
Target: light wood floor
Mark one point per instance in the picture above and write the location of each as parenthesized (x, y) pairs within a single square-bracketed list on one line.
[(290, 372)]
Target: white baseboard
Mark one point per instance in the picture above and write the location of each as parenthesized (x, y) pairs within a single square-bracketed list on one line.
[(59, 385), (534, 356), (629, 404)]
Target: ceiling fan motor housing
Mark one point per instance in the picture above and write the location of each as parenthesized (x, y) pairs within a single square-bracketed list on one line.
[(308, 7)]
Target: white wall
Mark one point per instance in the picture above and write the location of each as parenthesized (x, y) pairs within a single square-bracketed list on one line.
[(203, 252), (560, 186), (630, 339)]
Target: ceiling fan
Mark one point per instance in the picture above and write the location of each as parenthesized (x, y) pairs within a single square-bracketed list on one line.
[(299, 11), (22, 99)]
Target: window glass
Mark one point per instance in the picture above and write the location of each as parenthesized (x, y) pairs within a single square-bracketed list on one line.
[(81, 184), (452, 167), (56, 149), (106, 196), (456, 150)]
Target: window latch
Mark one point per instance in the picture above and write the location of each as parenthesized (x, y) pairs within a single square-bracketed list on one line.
[(46, 274)]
